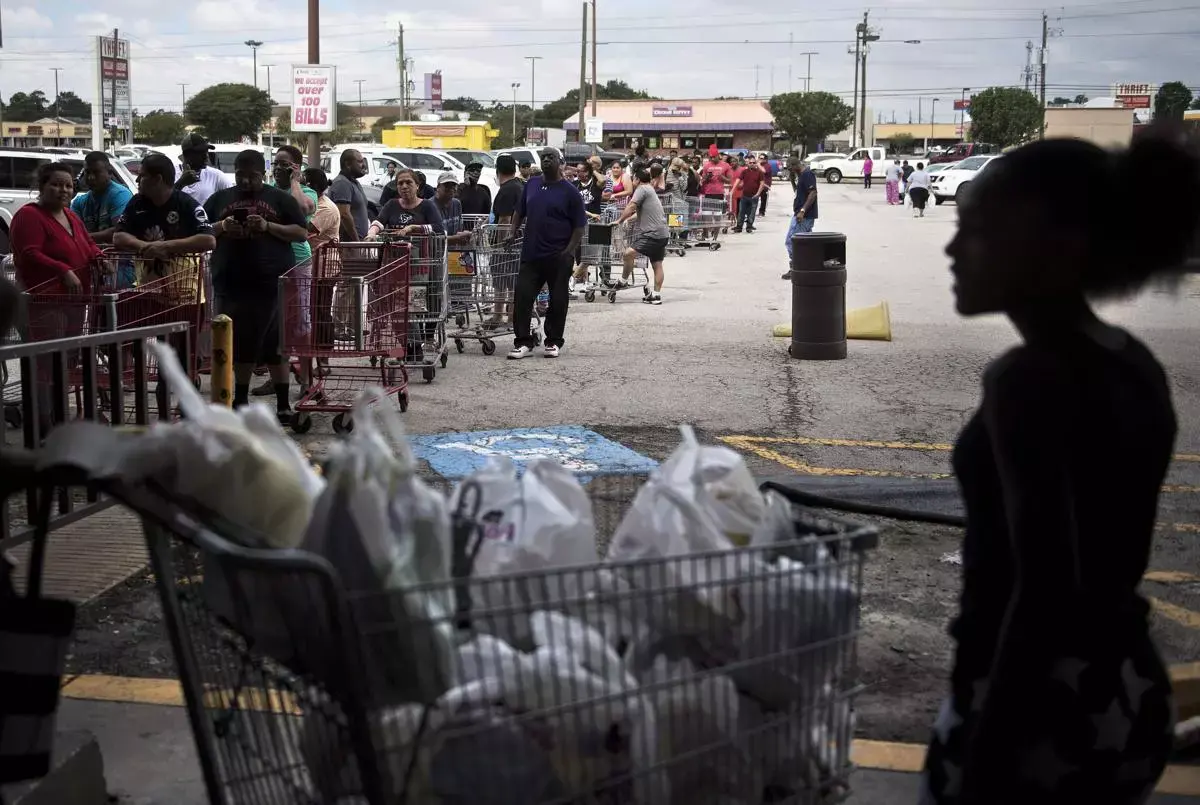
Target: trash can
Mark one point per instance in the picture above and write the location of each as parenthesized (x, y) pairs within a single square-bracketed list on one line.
[(818, 296)]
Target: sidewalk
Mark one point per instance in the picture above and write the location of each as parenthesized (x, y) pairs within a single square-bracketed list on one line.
[(149, 759)]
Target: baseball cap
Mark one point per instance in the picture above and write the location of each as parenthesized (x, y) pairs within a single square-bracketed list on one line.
[(447, 177), (506, 165), (475, 166), (195, 142), (525, 163)]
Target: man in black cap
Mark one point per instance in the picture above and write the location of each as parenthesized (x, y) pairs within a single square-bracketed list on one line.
[(199, 179), (476, 198), (526, 169)]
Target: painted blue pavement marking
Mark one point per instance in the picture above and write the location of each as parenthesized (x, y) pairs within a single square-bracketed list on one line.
[(584, 452)]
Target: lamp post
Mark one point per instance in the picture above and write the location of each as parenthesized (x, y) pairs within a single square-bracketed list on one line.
[(268, 68), (182, 97), (932, 118), (516, 86), (254, 45), (533, 60)]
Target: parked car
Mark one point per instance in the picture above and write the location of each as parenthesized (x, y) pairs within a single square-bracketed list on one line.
[(18, 178), (939, 167), (961, 151), (466, 156), (377, 168), (574, 153), (949, 183), (431, 162), (531, 155)]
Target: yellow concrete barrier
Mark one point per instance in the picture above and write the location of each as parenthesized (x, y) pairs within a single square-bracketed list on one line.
[(222, 360), (872, 323)]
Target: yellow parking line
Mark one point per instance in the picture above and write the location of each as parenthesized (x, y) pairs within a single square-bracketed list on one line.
[(755, 445)]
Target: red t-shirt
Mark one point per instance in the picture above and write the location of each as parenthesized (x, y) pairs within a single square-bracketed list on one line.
[(712, 178), (752, 178)]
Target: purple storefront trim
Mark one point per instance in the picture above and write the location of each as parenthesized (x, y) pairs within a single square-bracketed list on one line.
[(673, 124)]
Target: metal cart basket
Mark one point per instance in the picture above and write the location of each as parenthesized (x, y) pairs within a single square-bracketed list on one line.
[(328, 715)]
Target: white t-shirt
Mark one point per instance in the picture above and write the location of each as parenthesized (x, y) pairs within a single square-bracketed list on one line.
[(919, 179), (893, 173), (211, 180)]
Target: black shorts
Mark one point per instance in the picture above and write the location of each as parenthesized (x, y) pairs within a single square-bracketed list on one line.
[(654, 249), (255, 317)]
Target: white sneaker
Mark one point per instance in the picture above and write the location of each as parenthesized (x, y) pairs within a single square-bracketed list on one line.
[(550, 352), (519, 352)]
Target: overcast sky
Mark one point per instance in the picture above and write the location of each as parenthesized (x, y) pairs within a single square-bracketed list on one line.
[(710, 50)]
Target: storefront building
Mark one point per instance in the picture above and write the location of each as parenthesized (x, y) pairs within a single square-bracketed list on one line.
[(682, 125)]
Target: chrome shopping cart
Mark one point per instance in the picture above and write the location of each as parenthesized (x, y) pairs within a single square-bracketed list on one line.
[(484, 295)]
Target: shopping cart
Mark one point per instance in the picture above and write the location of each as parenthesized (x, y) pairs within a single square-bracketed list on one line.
[(485, 311), (676, 210), (164, 291), (429, 298), (461, 266), (604, 244), (349, 324), (706, 217), (332, 710)]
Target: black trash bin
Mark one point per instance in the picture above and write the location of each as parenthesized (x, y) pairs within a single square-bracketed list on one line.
[(818, 296)]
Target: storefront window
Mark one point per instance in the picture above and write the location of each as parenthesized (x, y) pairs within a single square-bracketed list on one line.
[(626, 141), (670, 141), (652, 143), (689, 143), (725, 140)]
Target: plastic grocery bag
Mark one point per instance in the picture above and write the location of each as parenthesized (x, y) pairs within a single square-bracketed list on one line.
[(385, 532), (540, 521), (237, 463)]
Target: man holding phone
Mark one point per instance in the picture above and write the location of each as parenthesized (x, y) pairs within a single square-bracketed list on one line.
[(199, 179), (255, 226)]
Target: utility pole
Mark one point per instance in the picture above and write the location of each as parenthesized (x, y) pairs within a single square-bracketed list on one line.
[(57, 122), (962, 115), (808, 74), (268, 69), (756, 69), (772, 80), (254, 45), (359, 81), (182, 97), (314, 57), (867, 38), (583, 74), (858, 34), (791, 42), (594, 89), (1042, 71), (1027, 73), (920, 101), (533, 60), (403, 72)]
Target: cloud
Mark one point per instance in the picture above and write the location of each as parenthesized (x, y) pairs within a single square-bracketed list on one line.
[(715, 48)]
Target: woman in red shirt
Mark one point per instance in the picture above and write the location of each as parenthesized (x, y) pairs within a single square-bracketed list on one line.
[(49, 242)]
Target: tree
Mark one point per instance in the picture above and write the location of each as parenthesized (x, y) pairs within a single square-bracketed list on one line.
[(1172, 101), (1005, 116), (27, 107), (381, 125), (462, 104), (810, 117), (1081, 99), (902, 143), (71, 105), (160, 127), (1196, 103), (228, 112), (1059, 101), (500, 117)]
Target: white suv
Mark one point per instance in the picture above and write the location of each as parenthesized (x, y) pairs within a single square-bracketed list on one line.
[(948, 184), (431, 162), (18, 179)]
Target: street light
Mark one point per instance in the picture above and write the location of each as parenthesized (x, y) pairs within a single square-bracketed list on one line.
[(516, 86), (533, 60), (254, 45), (962, 114), (268, 66)]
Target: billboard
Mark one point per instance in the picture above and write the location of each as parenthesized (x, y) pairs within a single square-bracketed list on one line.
[(115, 107), (1134, 96), (433, 91), (962, 104), (314, 97)]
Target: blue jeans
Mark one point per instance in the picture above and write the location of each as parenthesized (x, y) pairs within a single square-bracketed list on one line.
[(747, 209), (798, 228)]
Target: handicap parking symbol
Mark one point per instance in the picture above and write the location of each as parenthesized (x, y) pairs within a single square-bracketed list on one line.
[(582, 451)]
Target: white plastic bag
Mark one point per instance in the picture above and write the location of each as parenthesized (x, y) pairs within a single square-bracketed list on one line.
[(239, 464), (538, 522)]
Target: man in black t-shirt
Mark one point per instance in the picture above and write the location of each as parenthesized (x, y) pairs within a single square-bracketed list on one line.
[(255, 225), (504, 207), (476, 198), (160, 222)]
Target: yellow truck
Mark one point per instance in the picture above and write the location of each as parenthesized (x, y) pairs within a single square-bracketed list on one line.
[(473, 135)]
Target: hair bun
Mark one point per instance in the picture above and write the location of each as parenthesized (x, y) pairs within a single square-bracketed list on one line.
[(1159, 178)]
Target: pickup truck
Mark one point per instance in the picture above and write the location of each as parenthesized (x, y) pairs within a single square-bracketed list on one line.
[(851, 167), (959, 152), (575, 153)]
